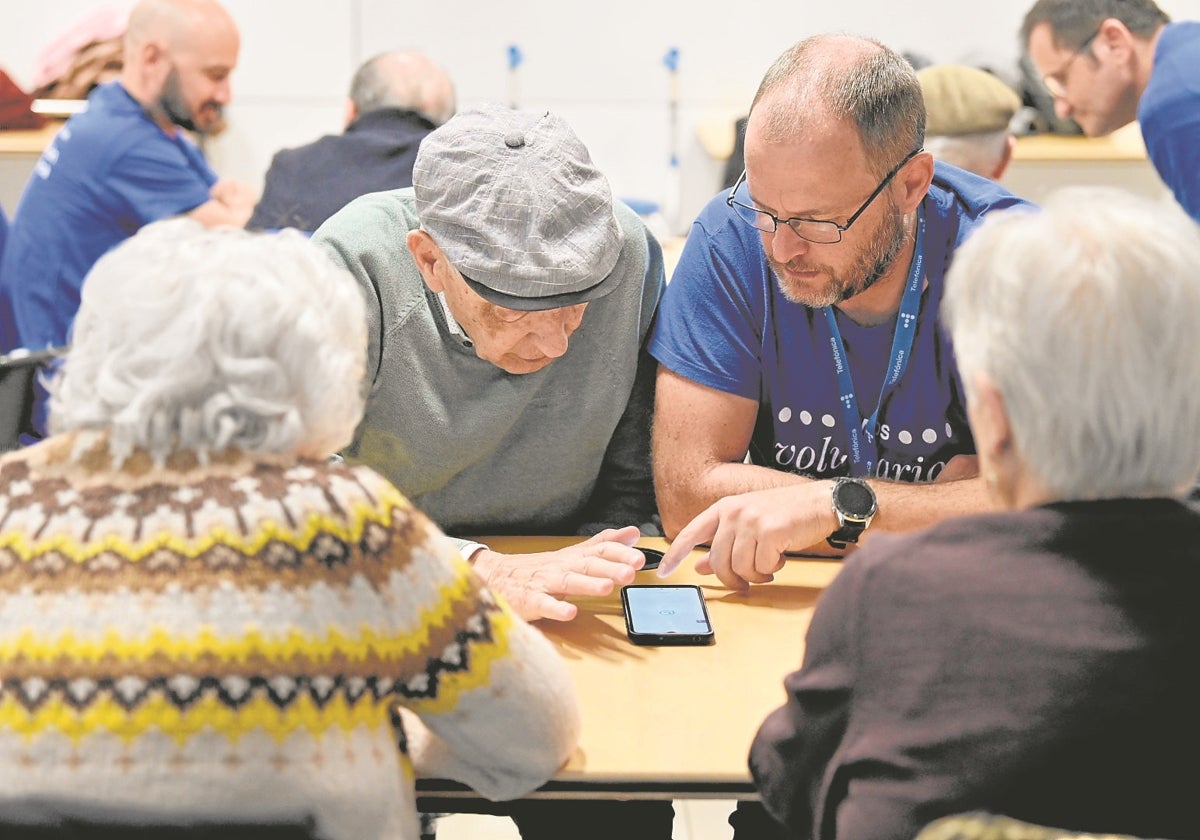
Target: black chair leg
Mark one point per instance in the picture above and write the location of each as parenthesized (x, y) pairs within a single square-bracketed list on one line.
[(429, 826)]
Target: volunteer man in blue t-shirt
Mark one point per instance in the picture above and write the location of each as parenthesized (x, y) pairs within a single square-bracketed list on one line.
[(1110, 62), (801, 325), (123, 163)]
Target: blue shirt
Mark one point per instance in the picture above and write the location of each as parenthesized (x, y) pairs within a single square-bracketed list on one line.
[(1169, 113), (724, 323), (109, 171)]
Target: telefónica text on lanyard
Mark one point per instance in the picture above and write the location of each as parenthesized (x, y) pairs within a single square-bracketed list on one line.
[(863, 448)]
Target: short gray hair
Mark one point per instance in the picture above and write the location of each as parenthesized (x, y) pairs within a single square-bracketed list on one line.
[(852, 78), (404, 79), (207, 339), (1084, 315), (981, 152)]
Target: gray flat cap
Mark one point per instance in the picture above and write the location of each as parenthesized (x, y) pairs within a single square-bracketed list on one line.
[(513, 200)]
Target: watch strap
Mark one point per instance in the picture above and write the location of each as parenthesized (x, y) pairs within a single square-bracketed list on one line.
[(851, 523), (848, 533)]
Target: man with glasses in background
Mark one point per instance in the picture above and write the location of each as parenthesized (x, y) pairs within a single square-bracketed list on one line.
[(801, 325), (1110, 62)]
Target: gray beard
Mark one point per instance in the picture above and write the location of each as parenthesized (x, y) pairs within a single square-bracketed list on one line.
[(868, 269)]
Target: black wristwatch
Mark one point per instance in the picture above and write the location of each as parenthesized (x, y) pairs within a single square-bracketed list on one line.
[(855, 505)]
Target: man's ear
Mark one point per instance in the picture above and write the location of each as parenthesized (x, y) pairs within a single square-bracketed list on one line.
[(993, 438), (351, 113), (155, 65), (915, 178), (428, 257), (1114, 37), (1010, 144)]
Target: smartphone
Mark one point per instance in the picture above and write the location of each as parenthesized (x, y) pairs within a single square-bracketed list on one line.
[(666, 615), (653, 558)]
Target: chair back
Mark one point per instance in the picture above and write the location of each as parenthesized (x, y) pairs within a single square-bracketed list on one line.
[(8, 326), (72, 829), (18, 379)]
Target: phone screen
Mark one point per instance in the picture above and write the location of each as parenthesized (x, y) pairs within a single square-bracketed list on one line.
[(666, 615)]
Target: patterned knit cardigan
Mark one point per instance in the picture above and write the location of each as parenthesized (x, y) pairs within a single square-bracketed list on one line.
[(230, 638)]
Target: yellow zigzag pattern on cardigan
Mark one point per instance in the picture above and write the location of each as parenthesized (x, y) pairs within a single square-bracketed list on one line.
[(158, 713), (28, 647), (267, 531), (453, 684)]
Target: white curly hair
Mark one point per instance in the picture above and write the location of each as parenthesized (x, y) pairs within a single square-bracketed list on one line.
[(207, 339)]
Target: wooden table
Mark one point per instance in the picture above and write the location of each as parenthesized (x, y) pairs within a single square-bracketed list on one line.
[(674, 722), (1045, 162)]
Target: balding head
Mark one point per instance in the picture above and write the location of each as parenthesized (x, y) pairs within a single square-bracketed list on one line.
[(830, 79), (403, 80), (178, 58), (177, 24)]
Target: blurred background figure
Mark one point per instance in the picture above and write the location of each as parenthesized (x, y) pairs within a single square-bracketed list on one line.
[(396, 99), (123, 163), (1110, 62), (205, 620), (1031, 662), (969, 115)]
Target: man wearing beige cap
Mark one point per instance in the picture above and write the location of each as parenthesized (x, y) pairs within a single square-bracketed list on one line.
[(967, 117), (509, 299)]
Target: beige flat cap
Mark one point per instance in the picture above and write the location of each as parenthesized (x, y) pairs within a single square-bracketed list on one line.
[(965, 100)]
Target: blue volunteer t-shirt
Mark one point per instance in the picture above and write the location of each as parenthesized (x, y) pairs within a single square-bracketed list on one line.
[(724, 323), (1169, 113), (109, 171)]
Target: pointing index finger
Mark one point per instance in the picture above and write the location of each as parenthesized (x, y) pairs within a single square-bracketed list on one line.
[(699, 530)]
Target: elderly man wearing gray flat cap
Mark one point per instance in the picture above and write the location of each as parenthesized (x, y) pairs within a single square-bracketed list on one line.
[(509, 298)]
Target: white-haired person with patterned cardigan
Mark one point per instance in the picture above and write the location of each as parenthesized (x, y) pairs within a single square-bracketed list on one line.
[(202, 618)]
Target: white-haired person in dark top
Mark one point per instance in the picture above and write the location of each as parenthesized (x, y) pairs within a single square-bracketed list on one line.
[(1035, 662), (205, 620)]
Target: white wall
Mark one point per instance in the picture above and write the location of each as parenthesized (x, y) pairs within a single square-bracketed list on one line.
[(600, 67)]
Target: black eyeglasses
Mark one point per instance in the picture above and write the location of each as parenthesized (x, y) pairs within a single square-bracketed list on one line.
[(1056, 82), (821, 231)]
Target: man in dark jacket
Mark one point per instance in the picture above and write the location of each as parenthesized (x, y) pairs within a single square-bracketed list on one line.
[(396, 98)]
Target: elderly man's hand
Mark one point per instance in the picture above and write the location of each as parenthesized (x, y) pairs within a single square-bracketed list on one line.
[(748, 533), (533, 584)]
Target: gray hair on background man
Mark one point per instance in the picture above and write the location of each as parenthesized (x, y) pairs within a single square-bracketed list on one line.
[(204, 339), (403, 79), (1084, 317), (982, 152)]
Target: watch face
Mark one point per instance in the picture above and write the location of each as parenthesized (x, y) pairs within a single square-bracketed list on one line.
[(854, 498)]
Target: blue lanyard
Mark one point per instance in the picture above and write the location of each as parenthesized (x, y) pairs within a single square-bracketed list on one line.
[(906, 328)]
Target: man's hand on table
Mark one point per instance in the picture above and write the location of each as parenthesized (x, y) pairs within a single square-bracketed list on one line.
[(534, 584), (749, 533)]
